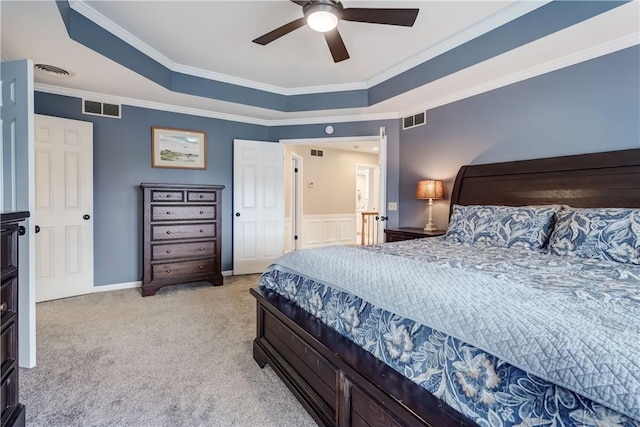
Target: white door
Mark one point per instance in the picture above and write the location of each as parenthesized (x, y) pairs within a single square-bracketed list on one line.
[(258, 205), (382, 180), (64, 207), (17, 187)]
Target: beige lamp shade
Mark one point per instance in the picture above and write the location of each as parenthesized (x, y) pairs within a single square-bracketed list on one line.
[(429, 189)]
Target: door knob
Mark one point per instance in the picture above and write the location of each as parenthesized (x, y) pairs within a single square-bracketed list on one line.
[(237, 213), (86, 217), (37, 228)]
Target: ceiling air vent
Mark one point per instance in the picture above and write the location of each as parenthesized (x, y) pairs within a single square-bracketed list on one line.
[(52, 69), (415, 120), (101, 109)]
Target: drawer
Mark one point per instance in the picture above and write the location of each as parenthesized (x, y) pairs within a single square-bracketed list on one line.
[(9, 346), (366, 411), (178, 213), (179, 269), (183, 250), (202, 196), (167, 196), (9, 392), (8, 251), (9, 297), (185, 231)]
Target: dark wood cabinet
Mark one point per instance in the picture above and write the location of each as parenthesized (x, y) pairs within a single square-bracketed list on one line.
[(182, 235), (13, 413), (408, 233)]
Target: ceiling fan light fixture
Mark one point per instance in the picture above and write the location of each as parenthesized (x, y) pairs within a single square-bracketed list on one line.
[(322, 17)]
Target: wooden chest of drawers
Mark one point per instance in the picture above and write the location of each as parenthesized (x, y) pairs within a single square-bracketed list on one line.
[(11, 409), (182, 235)]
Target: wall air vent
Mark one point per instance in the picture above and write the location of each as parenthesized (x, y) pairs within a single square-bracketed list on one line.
[(414, 120), (101, 109)]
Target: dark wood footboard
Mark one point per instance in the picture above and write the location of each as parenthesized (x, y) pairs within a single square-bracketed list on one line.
[(339, 383)]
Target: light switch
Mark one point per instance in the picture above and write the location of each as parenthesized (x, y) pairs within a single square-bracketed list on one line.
[(393, 206)]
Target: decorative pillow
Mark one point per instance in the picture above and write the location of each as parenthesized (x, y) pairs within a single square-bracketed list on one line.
[(609, 234), (525, 227)]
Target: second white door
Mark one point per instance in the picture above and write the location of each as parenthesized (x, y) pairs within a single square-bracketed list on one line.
[(64, 207), (258, 205)]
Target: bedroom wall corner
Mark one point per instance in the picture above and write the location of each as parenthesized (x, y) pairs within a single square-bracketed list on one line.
[(588, 107)]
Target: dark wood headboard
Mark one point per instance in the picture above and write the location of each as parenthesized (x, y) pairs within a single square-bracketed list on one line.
[(609, 179)]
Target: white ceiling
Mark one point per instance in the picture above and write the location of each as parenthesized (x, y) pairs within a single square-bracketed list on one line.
[(212, 39)]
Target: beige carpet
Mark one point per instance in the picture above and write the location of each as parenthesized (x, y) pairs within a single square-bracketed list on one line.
[(179, 358)]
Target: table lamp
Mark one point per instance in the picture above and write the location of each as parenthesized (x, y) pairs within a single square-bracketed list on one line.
[(429, 189)]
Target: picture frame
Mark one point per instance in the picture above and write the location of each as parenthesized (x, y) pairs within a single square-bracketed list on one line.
[(178, 148)]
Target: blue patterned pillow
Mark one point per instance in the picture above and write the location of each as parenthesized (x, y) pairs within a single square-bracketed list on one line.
[(525, 227), (609, 234)]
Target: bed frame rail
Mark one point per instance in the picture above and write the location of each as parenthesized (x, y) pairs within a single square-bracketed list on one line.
[(339, 383)]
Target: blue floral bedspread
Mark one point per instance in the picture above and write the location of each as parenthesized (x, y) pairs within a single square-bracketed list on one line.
[(507, 337)]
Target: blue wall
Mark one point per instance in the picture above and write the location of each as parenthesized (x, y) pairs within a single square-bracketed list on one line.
[(122, 160), (589, 107)]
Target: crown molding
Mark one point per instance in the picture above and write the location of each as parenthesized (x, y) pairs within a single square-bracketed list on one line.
[(563, 62), (566, 61), (84, 9), (102, 97), (76, 93), (516, 10)]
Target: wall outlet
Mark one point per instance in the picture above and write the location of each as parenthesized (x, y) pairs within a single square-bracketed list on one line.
[(393, 206)]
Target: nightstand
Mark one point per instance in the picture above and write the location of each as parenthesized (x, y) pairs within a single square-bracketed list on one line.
[(408, 233)]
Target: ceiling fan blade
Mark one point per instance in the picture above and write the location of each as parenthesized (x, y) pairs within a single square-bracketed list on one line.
[(336, 45), (403, 17), (279, 32), (300, 2)]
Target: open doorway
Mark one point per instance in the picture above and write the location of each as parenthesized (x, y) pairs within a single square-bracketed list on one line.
[(367, 184), (324, 189)]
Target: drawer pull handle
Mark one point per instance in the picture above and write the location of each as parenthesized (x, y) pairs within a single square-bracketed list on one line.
[(168, 270), (201, 267), (168, 196), (201, 230), (202, 196), (168, 231), (4, 306), (168, 212), (168, 251), (201, 212), (201, 249)]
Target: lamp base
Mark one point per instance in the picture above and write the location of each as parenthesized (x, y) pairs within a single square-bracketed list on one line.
[(430, 227)]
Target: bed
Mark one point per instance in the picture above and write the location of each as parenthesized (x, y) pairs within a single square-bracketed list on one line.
[(460, 330)]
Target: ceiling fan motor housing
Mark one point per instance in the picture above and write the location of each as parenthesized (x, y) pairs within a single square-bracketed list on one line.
[(333, 7)]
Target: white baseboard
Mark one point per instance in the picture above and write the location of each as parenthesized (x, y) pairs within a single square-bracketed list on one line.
[(117, 286), (131, 285)]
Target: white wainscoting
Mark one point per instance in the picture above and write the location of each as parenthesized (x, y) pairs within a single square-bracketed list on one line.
[(326, 230)]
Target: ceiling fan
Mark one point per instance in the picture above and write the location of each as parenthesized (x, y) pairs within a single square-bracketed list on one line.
[(323, 16)]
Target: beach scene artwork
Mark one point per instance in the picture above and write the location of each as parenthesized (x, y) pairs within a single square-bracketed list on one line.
[(176, 148)]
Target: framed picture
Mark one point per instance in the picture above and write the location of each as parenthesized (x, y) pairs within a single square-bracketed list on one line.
[(178, 148)]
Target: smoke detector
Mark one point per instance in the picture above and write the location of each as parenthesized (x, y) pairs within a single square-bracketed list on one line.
[(53, 70)]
